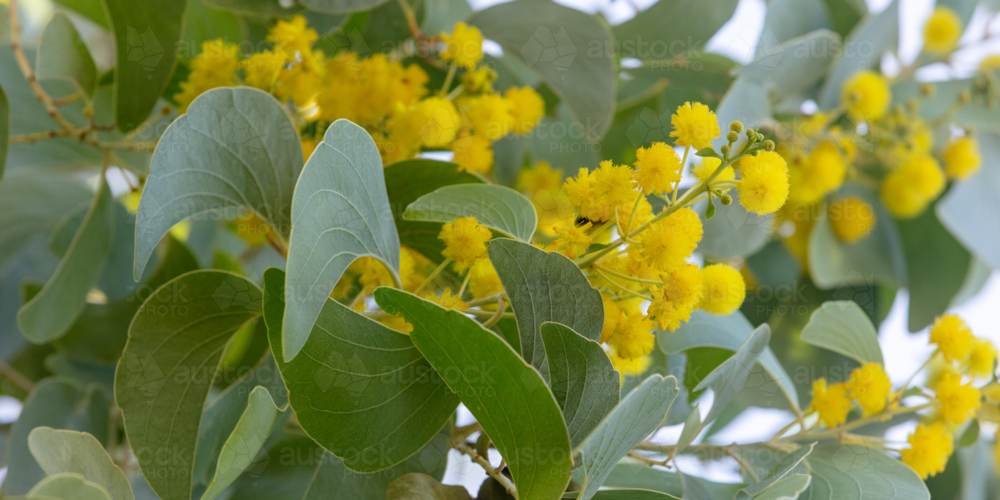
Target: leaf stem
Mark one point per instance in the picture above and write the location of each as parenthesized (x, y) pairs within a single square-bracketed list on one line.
[(504, 481), (433, 274)]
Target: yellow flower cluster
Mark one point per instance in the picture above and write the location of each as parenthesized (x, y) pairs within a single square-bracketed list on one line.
[(390, 99), (868, 385), (930, 447), (942, 31)]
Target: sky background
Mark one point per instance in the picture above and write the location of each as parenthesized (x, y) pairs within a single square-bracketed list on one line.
[(904, 352)]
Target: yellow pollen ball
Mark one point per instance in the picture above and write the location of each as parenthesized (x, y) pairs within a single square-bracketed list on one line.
[(953, 337), (763, 182), (707, 167), (465, 46), (681, 293), (526, 108), (942, 31), (958, 401), (962, 159), (819, 173), (667, 243), (870, 386), (851, 218), (982, 359), (694, 125), (912, 186), (491, 116), (657, 168), (473, 153), (724, 289), (830, 402), (465, 240), (868, 95), (930, 447)]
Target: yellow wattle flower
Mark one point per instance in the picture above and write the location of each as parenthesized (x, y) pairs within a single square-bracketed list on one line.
[(830, 402), (213, 67), (490, 115), (724, 289), (851, 218), (953, 337), (261, 69), (694, 125), (465, 240), (473, 153), (942, 31), (870, 386), (912, 186), (633, 337), (930, 447), (819, 173), (667, 243), (527, 108), (982, 359), (483, 279), (630, 366), (867, 94), (962, 158), (465, 45), (958, 402), (763, 182), (681, 293), (657, 168)]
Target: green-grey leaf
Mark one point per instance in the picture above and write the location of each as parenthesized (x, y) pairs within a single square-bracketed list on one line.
[(58, 403), (416, 486), (785, 466), (341, 6), (860, 471), (262, 8), (583, 380), (795, 65), (878, 257), (875, 34), (408, 180), (788, 19), (727, 332), (559, 44), (63, 55), (441, 15), (356, 373), (731, 376), (340, 212), (221, 415), (788, 488), (163, 378), (203, 23), (253, 428), (638, 415), (747, 101), (494, 206), (4, 129), (633, 474), (68, 486), (655, 33), (936, 267), (842, 327), (146, 36), (235, 148), (508, 397), (542, 287), (692, 426), (54, 309), (32, 203), (632, 494), (976, 195), (58, 451)]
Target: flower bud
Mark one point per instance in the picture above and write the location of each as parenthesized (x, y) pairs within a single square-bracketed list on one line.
[(733, 136), (750, 133), (769, 145), (725, 149), (964, 97), (726, 199), (736, 126)]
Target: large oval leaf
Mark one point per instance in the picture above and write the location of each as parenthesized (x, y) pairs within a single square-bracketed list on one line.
[(861, 471), (871, 38), (341, 6), (542, 287), (67, 486), (356, 373), (58, 451), (936, 267), (146, 36), (582, 378), (340, 212), (54, 309), (842, 327), (567, 48), (632, 421), (174, 347), (729, 332), (408, 180), (234, 149), (671, 29), (508, 397), (731, 377), (497, 207)]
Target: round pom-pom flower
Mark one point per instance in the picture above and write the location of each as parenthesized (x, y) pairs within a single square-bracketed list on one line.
[(657, 168), (942, 31), (763, 182), (694, 125), (962, 158), (465, 240), (830, 403), (527, 108), (958, 401), (867, 94), (930, 447), (724, 289), (953, 337), (851, 218), (465, 45)]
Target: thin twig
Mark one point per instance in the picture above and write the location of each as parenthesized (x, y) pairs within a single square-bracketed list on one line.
[(504, 481), (16, 377)]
